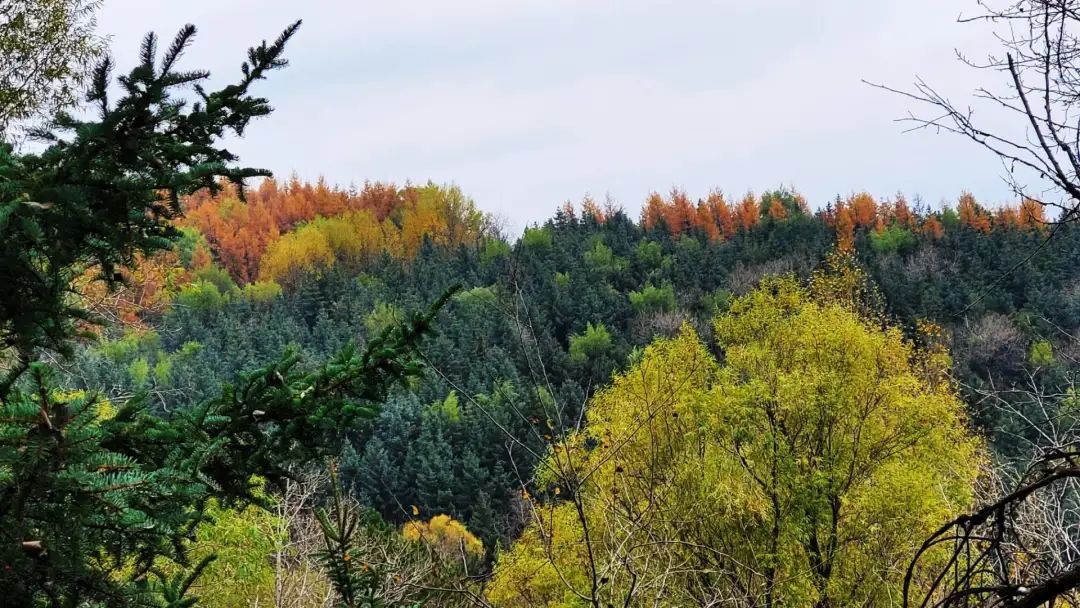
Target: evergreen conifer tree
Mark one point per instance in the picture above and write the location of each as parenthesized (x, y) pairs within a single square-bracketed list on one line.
[(94, 495)]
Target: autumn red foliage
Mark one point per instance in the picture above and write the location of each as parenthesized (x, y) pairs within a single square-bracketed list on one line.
[(241, 232), (281, 232)]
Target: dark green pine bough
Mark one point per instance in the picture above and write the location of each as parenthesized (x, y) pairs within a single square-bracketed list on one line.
[(92, 497)]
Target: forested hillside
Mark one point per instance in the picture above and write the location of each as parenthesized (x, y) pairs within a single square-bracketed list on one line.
[(544, 320), (220, 388)]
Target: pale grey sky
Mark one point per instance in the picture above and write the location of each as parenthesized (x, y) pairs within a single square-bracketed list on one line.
[(527, 104)]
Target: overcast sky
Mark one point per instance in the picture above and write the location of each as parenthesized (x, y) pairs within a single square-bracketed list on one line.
[(528, 104)]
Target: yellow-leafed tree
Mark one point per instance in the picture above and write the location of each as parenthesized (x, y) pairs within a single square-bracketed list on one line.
[(804, 470), (304, 252), (444, 534)]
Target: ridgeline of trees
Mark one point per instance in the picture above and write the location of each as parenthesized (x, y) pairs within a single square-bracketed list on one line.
[(294, 394), (542, 323)]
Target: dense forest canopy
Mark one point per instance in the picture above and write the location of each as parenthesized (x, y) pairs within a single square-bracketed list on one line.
[(543, 321), (220, 388)]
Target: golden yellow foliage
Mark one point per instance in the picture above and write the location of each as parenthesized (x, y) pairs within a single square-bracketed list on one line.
[(303, 252), (445, 534), (805, 468), (442, 214), (532, 572)]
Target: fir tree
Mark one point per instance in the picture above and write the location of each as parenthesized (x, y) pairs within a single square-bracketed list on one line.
[(94, 495)]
